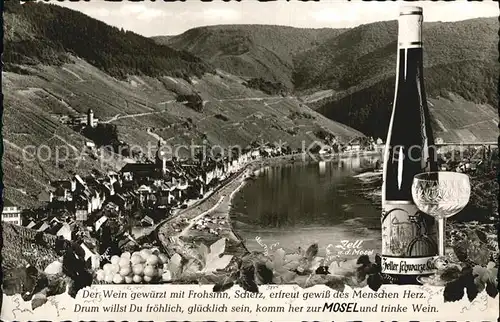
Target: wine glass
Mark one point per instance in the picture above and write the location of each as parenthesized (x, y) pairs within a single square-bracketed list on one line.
[(441, 194)]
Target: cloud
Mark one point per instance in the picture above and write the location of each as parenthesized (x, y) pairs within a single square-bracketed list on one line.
[(334, 15), (209, 16), (151, 14), (126, 12), (98, 12), (352, 14), (132, 9), (148, 18), (355, 13), (461, 10), (141, 12), (220, 14)]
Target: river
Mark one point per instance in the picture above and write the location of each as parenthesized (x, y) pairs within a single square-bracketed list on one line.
[(296, 205)]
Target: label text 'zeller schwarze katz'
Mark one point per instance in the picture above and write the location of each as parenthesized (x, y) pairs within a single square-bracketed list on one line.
[(404, 267)]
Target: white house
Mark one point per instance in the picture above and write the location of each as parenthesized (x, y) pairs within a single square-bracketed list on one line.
[(182, 184), (325, 150), (31, 224), (64, 231), (209, 176), (81, 214), (144, 189), (353, 147), (147, 221), (100, 222), (11, 213), (97, 200), (235, 166), (90, 257), (269, 150)]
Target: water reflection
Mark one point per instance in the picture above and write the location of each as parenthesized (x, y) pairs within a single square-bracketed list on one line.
[(302, 203), (322, 167)]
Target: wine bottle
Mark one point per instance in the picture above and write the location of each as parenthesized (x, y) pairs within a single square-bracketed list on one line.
[(409, 237)]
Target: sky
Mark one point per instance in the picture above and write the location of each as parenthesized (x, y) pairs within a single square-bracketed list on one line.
[(173, 18)]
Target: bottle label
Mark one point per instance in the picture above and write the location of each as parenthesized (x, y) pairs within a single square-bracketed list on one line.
[(408, 266), (410, 30), (409, 239)]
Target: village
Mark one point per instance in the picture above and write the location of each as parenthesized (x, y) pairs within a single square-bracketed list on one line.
[(120, 210), (106, 214)]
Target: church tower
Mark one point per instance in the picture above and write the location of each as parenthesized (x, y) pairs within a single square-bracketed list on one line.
[(90, 118), (160, 160)]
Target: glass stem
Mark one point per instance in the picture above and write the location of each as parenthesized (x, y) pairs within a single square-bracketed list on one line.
[(442, 237)]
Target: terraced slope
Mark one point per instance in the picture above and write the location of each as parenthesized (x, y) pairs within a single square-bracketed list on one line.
[(60, 62), (348, 74), (143, 109)]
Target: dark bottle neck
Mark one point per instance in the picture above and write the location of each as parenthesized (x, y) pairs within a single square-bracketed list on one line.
[(411, 142), (410, 64)]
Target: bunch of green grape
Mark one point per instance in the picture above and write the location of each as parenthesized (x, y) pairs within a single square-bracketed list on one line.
[(142, 266)]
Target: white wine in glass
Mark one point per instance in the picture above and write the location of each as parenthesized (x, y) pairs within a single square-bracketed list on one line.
[(441, 194)]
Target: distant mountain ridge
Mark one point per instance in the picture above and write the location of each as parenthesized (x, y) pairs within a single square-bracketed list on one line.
[(355, 55), (250, 50), (354, 69), (460, 66)]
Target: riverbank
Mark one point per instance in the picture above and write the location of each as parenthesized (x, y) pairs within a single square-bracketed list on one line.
[(370, 183), (208, 220)]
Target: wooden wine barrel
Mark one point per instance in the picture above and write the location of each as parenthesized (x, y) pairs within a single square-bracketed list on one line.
[(421, 246)]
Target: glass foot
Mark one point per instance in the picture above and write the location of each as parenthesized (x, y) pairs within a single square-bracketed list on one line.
[(440, 263), (433, 280)]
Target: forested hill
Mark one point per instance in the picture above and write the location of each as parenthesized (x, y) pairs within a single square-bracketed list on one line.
[(259, 51), (368, 51), (44, 33), (348, 75), (460, 71)]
